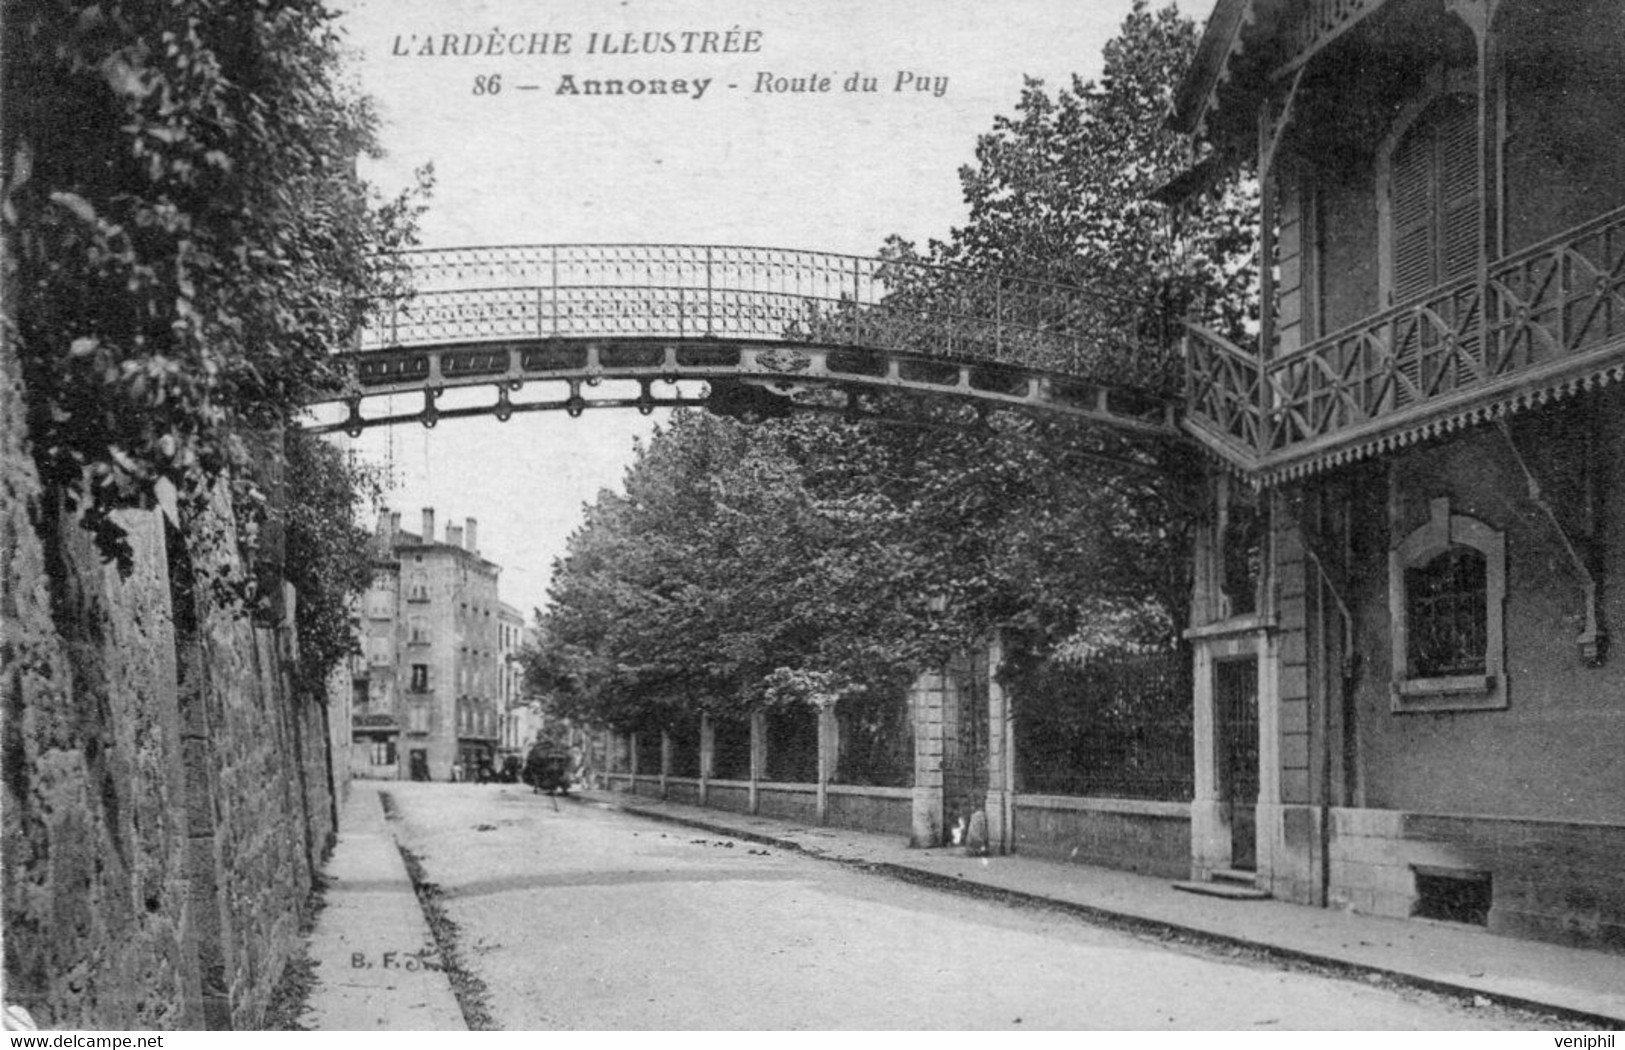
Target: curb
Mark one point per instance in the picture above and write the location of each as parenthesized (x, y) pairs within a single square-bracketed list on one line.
[(1125, 921)]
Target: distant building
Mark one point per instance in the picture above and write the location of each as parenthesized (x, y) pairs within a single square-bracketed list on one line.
[(432, 675), (521, 712)]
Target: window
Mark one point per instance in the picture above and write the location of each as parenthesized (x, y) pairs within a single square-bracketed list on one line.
[(420, 678), (418, 589), (419, 628), (380, 603), (381, 753), (1447, 588), (1444, 606), (1431, 199), (417, 718)]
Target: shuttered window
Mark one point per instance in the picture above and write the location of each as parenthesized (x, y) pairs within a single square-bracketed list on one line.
[(1433, 203)]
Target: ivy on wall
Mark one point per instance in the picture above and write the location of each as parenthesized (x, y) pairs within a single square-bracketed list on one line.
[(188, 238)]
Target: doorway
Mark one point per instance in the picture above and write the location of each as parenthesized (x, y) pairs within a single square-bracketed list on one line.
[(1236, 695), (420, 764)]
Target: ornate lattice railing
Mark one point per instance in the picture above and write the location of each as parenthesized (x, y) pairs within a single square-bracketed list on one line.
[(1223, 389), (469, 295), (1539, 314)]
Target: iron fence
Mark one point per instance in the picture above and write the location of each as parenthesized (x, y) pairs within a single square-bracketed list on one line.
[(877, 741), (1118, 726), (648, 748), (685, 746), (792, 744), (730, 757), (734, 292)]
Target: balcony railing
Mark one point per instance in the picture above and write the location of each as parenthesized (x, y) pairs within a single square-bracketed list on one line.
[(1539, 316)]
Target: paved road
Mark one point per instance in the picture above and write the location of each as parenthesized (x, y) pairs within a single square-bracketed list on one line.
[(584, 917)]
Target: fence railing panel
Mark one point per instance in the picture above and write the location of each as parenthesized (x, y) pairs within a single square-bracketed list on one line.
[(1118, 726)]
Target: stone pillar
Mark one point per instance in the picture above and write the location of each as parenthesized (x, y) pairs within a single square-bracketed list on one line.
[(829, 750), (632, 759), (926, 698), (758, 755), (1001, 756), (1210, 831), (665, 760), (708, 755)]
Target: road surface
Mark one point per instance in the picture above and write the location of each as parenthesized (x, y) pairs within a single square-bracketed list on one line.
[(572, 915)]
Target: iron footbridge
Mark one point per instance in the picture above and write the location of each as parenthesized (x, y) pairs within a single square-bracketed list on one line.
[(646, 326)]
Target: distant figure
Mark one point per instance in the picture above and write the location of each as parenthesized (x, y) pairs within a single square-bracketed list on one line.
[(456, 772)]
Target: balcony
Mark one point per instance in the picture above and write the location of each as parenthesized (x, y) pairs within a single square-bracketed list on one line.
[(1546, 321)]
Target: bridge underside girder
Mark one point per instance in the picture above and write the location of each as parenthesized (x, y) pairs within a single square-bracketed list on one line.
[(730, 367)]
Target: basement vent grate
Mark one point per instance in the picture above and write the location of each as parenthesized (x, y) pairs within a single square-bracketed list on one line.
[(1452, 895)]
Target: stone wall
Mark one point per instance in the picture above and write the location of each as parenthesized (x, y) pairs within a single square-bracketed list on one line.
[(797, 802), (166, 799), (1550, 880), (1152, 838), (887, 810)]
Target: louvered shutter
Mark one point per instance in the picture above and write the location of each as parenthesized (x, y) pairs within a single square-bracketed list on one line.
[(1434, 212), (1411, 205), (1457, 130), (1433, 198), (1414, 245), (1459, 233)]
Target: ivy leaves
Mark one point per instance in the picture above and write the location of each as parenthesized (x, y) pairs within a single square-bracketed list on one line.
[(190, 239)]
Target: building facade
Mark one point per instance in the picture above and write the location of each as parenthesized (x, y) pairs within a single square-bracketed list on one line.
[(521, 712), (1404, 698), (427, 695)]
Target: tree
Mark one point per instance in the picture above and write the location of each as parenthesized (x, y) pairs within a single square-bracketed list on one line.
[(327, 550), (793, 559), (188, 240), (1064, 191)]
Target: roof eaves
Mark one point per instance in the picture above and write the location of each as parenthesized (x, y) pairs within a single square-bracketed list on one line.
[(1221, 37)]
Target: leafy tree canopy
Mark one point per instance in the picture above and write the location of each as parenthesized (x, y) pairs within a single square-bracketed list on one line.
[(327, 550), (803, 558), (188, 238)]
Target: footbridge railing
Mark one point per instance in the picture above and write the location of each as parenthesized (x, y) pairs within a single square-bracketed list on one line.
[(576, 315)]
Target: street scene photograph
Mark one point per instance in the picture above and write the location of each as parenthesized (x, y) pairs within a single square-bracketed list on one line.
[(702, 517)]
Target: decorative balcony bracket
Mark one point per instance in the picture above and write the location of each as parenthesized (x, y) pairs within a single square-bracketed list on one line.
[(1274, 121), (1593, 639), (1320, 23), (1478, 14), (1350, 654)]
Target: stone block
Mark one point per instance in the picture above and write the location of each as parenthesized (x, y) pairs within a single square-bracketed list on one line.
[(1295, 786), (1294, 752), (1294, 647)]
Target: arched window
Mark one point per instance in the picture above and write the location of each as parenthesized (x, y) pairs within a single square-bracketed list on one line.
[(1445, 614), (1447, 589), (1429, 196)]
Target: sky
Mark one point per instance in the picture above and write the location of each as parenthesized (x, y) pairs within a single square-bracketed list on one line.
[(744, 159)]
